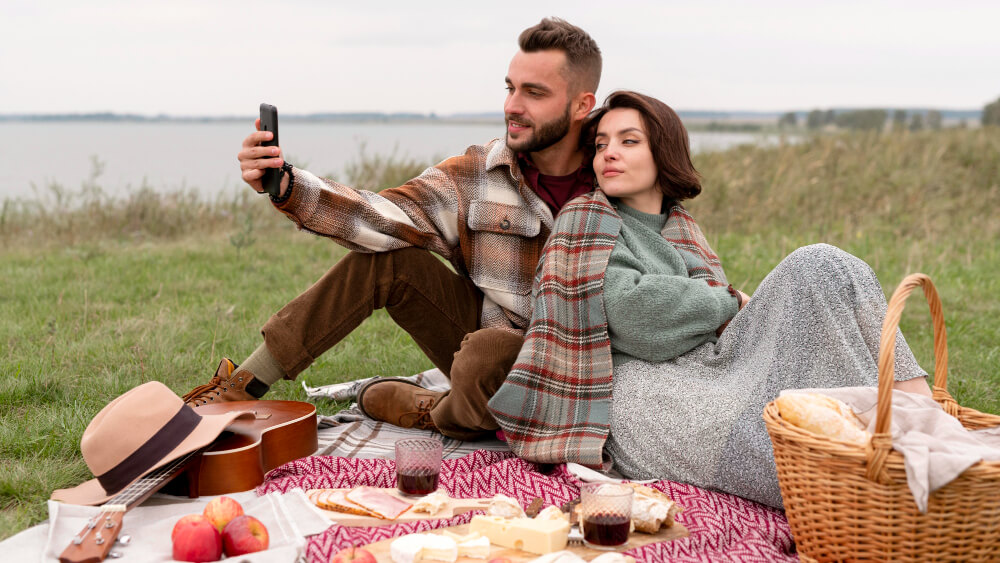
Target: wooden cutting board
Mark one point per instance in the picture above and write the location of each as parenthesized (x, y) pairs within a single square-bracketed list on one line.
[(453, 507), (380, 549)]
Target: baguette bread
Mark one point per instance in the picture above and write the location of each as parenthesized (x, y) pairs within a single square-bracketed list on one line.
[(822, 415)]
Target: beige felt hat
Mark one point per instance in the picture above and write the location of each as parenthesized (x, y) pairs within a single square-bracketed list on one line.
[(142, 430)]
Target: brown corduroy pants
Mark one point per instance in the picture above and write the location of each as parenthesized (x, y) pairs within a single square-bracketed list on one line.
[(436, 306)]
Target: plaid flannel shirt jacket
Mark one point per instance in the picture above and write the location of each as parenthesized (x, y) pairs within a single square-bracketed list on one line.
[(475, 210), (554, 406)]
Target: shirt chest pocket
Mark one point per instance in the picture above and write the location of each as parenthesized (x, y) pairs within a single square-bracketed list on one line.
[(505, 238), (503, 219)]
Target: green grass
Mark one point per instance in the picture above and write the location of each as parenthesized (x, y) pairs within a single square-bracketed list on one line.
[(101, 294)]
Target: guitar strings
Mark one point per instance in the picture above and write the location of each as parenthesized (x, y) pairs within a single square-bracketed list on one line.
[(136, 490), (123, 500)]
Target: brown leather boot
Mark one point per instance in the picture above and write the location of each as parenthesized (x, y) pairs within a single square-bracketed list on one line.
[(398, 401), (223, 387)]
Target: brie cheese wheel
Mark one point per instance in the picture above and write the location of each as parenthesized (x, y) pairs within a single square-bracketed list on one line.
[(406, 549), (416, 547)]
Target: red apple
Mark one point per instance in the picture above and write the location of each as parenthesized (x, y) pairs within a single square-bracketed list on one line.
[(244, 534), (356, 555), (221, 510), (196, 539)]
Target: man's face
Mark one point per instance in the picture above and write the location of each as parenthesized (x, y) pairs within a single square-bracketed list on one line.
[(537, 109)]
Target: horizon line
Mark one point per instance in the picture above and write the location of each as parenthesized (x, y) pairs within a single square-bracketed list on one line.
[(498, 115)]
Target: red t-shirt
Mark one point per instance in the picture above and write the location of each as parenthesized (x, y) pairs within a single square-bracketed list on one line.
[(556, 190)]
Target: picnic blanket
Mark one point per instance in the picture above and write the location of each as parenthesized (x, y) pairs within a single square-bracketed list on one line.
[(722, 527), (355, 450)]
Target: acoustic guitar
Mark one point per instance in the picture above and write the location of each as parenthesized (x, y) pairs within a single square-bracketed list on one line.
[(281, 431)]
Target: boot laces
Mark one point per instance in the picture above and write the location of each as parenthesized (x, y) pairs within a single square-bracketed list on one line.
[(204, 392), (422, 421)]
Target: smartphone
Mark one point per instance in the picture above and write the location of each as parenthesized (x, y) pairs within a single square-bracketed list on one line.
[(269, 122)]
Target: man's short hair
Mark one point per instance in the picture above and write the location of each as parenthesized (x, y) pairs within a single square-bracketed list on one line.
[(583, 57)]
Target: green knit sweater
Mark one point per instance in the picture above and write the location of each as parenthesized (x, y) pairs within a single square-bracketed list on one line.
[(655, 311)]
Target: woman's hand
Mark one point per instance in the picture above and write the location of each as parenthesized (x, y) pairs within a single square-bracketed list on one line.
[(743, 299), (743, 303)]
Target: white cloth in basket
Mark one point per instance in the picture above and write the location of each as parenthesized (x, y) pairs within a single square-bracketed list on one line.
[(936, 448)]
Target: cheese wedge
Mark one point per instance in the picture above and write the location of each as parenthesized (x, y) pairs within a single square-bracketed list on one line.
[(478, 547), (526, 534)]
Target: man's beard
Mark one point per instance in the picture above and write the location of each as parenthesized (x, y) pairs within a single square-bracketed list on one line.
[(544, 136)]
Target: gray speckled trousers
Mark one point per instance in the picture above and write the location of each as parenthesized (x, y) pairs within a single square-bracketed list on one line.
[(815, 321)]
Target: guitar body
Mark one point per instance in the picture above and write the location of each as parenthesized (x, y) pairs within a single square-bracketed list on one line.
[(281, 431)]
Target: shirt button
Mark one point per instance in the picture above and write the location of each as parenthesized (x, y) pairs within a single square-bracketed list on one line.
[(505, 224)]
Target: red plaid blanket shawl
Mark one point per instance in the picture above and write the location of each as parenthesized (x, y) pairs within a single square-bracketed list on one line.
[(722, 527), (554, 405)]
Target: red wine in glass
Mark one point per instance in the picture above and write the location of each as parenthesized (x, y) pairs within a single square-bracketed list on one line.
[(417, 480), (606, 529)]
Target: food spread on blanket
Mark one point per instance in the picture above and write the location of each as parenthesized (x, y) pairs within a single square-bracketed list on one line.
[(506, 525), (822, 415)]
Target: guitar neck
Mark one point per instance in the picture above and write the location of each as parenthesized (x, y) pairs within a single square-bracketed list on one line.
[(96, 539), (134, 494)]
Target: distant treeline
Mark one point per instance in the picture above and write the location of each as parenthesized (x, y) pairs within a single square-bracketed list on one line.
[(896, 119)]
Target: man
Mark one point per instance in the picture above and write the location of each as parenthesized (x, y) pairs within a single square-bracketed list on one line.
[(488, 212)]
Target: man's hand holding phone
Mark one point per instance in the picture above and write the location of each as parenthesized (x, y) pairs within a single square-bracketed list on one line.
[(256, 158)]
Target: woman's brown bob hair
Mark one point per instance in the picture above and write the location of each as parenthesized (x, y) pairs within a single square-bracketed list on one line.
[(668, 141)]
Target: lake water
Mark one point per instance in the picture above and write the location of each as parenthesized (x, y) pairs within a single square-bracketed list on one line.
[(168, 156)]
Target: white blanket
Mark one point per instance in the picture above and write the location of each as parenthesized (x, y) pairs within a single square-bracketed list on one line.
[(289, 518)]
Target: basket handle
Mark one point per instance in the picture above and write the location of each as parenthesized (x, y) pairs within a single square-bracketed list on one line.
[(881, 442)]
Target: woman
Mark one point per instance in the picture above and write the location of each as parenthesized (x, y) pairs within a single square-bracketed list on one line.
[(640, 354)]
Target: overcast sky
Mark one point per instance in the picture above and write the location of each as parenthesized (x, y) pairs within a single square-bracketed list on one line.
[(198, 57)]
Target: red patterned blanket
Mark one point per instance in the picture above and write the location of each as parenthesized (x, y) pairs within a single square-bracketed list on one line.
[(722, 527)]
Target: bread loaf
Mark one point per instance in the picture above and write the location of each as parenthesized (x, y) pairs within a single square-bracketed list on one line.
[(822, 415)]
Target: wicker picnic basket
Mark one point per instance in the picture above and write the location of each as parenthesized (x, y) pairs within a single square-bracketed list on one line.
[(847, 502)]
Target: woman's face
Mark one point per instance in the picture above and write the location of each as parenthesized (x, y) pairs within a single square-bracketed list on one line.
[(624, 161)]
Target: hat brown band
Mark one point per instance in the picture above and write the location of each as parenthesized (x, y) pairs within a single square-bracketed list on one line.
[(155, 449)]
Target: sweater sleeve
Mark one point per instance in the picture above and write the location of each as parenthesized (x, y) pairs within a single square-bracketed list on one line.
[(656, 317)]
